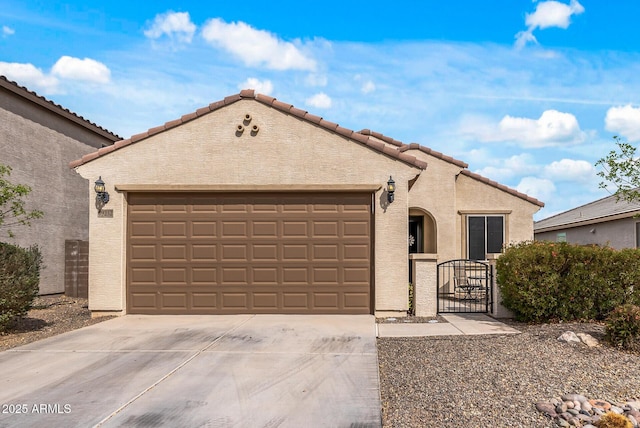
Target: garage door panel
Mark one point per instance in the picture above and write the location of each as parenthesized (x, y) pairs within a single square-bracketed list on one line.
[(265, 300), (233, 252), (356, 229), (234, 275), (295, 275), (325, 229), (255, 253), (235, 300), (295, 229), (235, 205), (295, 252), (326, 300), (356, 275), (143, 301), (143, 229), (204, 276), (204, 301), (295, 301), (203, 252), (143, 252), (144, 275), (327, 275), (264, 276), (173, 275), (173, 229), (203, 229), (234, 229), (174, 301), (357, 252), (356, 300), (174, 252), (264, 252), (264, 229)]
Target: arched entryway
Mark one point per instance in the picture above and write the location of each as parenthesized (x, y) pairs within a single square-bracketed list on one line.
[(422, 232)]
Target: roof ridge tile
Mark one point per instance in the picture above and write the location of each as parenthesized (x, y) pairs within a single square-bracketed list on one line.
[(47, 103)]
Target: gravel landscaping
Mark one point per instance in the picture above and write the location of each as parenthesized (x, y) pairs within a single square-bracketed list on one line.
[(49, 316), (495, 381)]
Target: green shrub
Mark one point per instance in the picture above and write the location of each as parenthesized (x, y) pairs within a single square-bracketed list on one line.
[(19, 280), (542, 281), (623, 327)]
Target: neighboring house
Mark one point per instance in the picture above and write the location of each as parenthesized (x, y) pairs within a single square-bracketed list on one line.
[(250, 205), (37, 140), (606, 221)]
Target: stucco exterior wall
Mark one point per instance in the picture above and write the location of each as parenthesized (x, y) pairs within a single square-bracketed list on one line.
[(473, 196), (39, 156), (286, 151), (435, 193), (617, 234)]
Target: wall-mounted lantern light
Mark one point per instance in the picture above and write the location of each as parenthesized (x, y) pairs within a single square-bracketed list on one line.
[(102, 197), (391, 189)]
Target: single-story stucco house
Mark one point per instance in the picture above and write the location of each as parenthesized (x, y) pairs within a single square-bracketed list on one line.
[(37, 140), (606, 222), (250, 205)]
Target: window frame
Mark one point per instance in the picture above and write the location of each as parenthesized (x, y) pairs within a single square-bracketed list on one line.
[(469, 216)]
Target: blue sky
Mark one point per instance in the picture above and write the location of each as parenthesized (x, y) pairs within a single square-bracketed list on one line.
[(529, 93)]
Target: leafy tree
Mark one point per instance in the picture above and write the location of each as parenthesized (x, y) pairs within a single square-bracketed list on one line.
[(621, 167), (12, 204)]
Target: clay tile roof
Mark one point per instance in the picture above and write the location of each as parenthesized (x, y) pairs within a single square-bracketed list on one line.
[(278, 105), (502, 187), (414, 146), (56, 108)]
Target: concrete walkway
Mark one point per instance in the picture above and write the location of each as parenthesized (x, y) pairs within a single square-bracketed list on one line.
[(457, 324)]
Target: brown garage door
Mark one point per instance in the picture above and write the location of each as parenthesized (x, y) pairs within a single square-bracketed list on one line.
[(249, 253)]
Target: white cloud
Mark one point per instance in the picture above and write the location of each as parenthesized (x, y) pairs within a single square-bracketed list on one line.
[(7, 31), (87, 69), (504, 169), (624, 120), (570, 170), (256, 47), (30, 76), (548, 14), (262, 87), (540, 188), (175, 25), (368, 87), (553, 128), (320, 100)]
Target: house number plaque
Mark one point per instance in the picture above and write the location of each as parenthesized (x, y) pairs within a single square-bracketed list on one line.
[(105, 214)]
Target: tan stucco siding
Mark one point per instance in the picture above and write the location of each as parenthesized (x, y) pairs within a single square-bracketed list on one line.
[(473, 196), (39, 157), (285, 151), (435, 193)]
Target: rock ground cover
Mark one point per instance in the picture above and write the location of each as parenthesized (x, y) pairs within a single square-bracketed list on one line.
[(496, 381)]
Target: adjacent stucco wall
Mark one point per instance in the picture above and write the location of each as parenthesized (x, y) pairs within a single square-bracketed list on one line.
[(435, 193), (617, 234), (285, 152), (474, 196), (39, 157)]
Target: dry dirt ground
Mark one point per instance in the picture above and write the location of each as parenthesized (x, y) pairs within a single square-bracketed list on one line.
[(49, 316)]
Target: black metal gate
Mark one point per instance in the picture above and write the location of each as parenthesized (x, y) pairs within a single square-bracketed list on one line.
[(464, 286)]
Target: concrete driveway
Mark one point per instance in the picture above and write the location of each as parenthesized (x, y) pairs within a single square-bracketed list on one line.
[(197, 371)]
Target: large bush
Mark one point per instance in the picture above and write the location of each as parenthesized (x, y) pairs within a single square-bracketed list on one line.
[(543, 281), (19, 280), (623, 327)]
